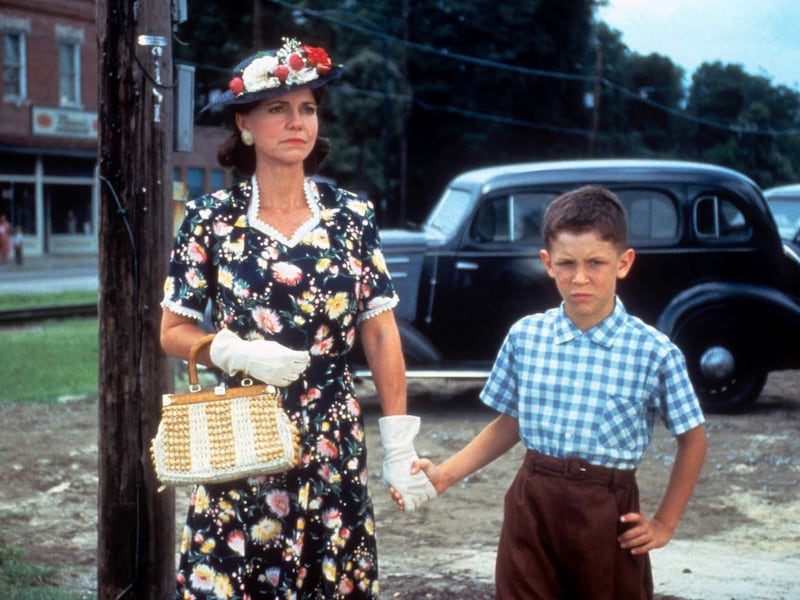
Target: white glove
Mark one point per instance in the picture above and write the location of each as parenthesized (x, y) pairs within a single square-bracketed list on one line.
[(397, 437), (269, 362)]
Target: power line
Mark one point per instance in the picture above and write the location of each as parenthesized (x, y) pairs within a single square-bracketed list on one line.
[(481, 116), (377, 32)]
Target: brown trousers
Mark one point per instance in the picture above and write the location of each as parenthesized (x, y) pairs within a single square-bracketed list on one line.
[(559, 534)]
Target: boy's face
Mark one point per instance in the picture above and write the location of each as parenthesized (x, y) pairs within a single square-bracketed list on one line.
[(586, 269)]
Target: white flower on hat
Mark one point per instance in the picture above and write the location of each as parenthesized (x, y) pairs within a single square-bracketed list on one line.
[(302, 76), (259, 74)]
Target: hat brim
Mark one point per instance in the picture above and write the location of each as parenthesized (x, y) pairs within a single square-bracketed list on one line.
[(228, 98)]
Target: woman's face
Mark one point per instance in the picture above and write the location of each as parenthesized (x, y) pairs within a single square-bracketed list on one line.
[(284, 129)]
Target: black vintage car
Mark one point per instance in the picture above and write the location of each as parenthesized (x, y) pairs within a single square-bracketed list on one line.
[(711, 270)]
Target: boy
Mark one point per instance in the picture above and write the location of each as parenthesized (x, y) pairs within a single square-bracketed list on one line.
[(580, 385)]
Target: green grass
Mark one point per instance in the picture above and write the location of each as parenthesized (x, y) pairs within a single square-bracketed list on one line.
[(14, 301), (24, 580), (49, 361)]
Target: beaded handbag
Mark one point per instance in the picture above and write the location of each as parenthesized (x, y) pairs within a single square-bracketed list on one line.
[(222, 434)]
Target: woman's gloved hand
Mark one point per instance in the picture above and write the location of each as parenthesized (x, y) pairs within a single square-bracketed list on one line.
[(269, 362), (397, 437)]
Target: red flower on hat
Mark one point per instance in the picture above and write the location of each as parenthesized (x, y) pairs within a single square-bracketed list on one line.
[(319, 58), (282, 72), (296, 61), (236, 86)]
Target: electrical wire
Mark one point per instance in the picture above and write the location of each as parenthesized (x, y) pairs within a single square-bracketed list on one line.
[(137, 393), (590, 79)]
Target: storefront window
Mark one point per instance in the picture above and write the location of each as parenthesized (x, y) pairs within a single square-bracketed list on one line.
[(18, 203), (69, 209)]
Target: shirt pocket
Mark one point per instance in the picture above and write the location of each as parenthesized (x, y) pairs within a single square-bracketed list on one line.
[(620, 424)]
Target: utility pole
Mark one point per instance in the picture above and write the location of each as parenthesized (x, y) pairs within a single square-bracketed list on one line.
[(136, 533), (596, 95), (402, 220)]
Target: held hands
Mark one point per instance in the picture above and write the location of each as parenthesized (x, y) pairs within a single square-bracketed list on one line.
[(432, 471), (269, 362), (397, 437), (644, 534)]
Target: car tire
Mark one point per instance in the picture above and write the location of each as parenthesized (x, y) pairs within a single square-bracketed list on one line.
[(723, 357)]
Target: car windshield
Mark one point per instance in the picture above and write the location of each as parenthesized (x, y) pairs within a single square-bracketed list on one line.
[(787, 215), (450, 213)]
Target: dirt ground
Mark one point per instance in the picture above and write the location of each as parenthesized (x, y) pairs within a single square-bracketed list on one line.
[(739, 539)]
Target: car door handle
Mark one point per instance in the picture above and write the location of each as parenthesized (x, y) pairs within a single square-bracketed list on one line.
[(466, 266)]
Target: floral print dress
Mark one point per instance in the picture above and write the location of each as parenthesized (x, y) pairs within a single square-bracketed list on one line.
[(308, 533)]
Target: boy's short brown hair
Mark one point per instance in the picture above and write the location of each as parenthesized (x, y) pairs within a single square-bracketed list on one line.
[(588, 208)]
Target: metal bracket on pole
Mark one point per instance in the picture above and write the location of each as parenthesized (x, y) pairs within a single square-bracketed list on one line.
[(156, 44)]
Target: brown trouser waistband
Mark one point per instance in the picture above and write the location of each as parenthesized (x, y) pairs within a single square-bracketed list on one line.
[(577, 468)]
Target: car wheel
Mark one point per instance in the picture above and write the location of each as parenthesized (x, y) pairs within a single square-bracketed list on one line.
[(723, 357)]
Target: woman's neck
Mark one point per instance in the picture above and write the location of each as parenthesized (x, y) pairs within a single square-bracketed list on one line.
[(281, 188)]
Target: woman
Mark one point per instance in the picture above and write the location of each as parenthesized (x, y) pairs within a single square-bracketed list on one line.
[(291, 269)]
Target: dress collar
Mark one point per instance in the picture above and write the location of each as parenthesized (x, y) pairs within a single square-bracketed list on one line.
[(312, 199)]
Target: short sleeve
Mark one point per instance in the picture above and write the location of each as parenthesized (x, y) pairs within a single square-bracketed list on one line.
[(186, 288), (500, 390), (376, 291), (680, 410)]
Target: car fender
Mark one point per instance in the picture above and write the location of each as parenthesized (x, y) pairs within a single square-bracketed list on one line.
[(738, 296)]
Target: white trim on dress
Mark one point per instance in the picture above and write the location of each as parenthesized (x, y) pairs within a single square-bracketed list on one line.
[(312, 199), (178, 309)]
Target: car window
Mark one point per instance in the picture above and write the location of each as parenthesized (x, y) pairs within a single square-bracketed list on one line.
[(511, 218), (449, 213), (717, 218), (786, 212), (652, 216), (528, 214)]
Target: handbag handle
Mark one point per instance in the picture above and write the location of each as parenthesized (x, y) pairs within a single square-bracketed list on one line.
[(193, 352)]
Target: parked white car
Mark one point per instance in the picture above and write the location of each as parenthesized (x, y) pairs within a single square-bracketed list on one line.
[(784, 203)]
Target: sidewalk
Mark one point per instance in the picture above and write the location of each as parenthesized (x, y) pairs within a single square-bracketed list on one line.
[(48, 262), (48, 273)]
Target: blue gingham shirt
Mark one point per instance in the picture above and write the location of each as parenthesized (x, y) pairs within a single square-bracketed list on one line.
[(593, 394)]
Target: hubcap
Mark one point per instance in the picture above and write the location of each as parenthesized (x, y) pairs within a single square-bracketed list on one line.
[(717, 363)]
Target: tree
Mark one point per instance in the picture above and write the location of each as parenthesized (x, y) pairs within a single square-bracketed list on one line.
[(641, 98), (739, 117), (480, 82)]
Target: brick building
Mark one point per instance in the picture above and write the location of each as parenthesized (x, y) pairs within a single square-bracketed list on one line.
[(48, 127)]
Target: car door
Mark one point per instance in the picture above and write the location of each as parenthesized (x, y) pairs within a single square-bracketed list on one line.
[(494, 277)]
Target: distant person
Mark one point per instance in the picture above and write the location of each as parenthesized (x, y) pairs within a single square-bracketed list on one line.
[(72, 222), (18, 242), (5, 239), (581, 385)]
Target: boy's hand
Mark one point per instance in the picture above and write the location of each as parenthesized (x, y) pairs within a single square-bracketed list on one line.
[(645, 534), (433, 472), (430, 470)]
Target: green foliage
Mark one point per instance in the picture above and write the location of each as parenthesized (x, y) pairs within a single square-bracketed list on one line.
[(21, 579), (753, 108), (53, 360), (15, 301), (435, 88)]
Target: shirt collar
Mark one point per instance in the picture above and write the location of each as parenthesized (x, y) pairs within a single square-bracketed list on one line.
[(603, 333)]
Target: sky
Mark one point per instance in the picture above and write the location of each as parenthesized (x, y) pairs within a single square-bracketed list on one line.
[(761, 35)]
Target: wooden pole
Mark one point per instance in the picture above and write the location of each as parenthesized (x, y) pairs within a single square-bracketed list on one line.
[(136, 532)]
